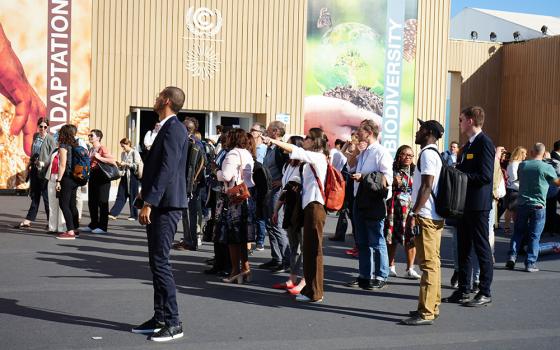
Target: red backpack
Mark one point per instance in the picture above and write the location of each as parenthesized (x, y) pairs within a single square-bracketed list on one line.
[(335, 187)]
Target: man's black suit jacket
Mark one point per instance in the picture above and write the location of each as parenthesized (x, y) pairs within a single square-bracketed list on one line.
[(164, 183), (478, 164)]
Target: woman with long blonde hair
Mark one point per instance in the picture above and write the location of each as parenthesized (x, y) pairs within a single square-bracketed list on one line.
[(512, 187)]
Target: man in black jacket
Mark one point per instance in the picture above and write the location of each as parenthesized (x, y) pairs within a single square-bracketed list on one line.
[(163, 191), (476, 160)]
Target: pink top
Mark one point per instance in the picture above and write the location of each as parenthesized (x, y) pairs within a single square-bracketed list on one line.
[(237, 161), (103, 152)]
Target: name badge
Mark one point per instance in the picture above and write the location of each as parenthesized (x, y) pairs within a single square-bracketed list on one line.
[(470, 155)]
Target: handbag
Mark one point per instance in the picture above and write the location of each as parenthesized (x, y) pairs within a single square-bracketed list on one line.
[(238, 193), (139, 168), (109, 171)]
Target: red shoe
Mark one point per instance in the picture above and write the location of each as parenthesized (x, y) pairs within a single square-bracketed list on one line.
[(66, 236), (351, 251), (284, 285), (356, 254)]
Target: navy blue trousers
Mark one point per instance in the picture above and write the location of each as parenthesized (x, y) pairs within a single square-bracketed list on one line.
[(161, 232)]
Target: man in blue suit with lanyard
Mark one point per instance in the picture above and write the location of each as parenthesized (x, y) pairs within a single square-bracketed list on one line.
[(476, 160), (164, 197)]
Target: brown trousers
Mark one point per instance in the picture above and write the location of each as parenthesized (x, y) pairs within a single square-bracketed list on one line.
[(428, 255), (314, 216)]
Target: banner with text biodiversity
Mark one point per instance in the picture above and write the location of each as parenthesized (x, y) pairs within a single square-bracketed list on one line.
[(360, 64), (45, 64)]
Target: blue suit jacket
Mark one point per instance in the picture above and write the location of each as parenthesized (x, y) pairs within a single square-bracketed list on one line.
[(164, 183), (478, 164)]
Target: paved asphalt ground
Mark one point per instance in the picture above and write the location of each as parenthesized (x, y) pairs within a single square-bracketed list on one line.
[(63, 294)]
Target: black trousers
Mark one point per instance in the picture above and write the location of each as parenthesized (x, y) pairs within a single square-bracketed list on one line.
[(67, 202), (161, 232), (472, 232), (37, 189), (98, 200)]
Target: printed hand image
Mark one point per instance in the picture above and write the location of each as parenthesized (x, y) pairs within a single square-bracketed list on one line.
[(16, 88)]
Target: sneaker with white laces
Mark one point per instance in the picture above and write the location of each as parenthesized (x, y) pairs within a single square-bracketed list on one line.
[(392, 271), (168, 333), (98, 230), (412, 274)]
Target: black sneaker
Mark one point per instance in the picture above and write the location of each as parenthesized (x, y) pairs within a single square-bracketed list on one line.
[(148, 327), (455, 280), (379, 284), (355, 283), (475, 287), (168, 333), (510, 264)]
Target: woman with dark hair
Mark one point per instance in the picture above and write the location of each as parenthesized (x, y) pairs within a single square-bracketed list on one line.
[(65, 184), (41, 150), (98, 186), (398, 207), (289, 198), (237, 228), (314, 154), (128, 185)]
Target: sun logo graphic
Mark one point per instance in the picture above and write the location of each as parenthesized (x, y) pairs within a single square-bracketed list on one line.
[(202, 61)]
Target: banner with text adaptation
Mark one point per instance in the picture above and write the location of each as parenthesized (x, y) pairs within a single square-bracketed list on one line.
[(45, 64), (360, 64)]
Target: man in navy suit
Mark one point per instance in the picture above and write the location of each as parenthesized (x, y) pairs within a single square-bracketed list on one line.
[(164, 196), (477, 162)]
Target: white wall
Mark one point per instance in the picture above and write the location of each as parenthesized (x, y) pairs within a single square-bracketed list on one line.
[(469, 19)]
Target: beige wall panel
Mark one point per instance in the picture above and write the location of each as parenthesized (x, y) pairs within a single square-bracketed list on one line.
[(140, 46), (431, 60)]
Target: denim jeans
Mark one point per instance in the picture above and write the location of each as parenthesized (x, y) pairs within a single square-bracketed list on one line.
[(278, 237), (529, 222), (372, 248), (261, 231)]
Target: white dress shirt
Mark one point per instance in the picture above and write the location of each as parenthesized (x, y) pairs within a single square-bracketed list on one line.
[(311, 191), (375, 158)]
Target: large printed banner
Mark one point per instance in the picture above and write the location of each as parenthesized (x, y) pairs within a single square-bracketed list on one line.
[(360, 62), (45, 64)]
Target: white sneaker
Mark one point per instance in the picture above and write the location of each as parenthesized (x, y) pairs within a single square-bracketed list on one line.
[(199, 242), (412, 274), (85, 229), (302, 298), (131, 219), (392, 271), (98, 230), (112, 217)]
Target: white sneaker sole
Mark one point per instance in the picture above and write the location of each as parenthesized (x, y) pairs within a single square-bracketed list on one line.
[(66, 238), (163, 339), (145, 331)]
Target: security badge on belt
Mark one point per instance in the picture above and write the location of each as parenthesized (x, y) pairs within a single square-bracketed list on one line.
[(470, 155)]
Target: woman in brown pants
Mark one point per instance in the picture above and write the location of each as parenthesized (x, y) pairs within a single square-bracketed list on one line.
[(314, 153)]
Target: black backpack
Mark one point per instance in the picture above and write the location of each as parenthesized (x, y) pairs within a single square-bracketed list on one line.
[(452, 189), (263, 185), (196, 163)]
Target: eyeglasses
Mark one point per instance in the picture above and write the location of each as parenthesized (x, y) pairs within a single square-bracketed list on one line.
[(255, 130), (43, 126), (407, 155)]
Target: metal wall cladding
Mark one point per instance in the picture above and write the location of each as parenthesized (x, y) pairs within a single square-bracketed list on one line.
[(141, 46), (518, 85), (431, 60)]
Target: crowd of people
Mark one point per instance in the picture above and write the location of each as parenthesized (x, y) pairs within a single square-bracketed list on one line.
[(237, 187)]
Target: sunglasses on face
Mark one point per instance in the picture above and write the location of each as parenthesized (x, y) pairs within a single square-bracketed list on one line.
[(255, 130), (43, 126), (91, 135)]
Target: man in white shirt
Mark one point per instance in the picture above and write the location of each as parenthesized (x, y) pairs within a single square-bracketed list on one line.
[(151, 136), (336, 157), (425, 222), (369, 233)]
